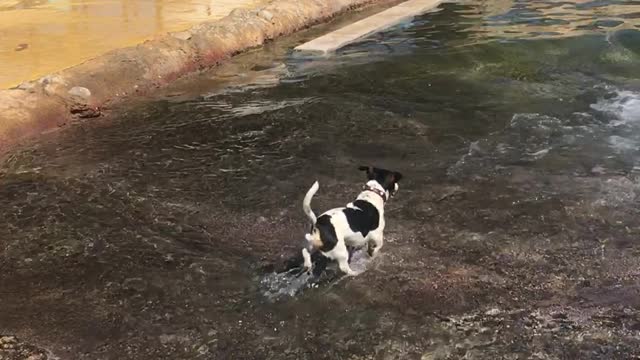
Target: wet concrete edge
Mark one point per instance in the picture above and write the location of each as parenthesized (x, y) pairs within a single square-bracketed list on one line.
[(85, 90)]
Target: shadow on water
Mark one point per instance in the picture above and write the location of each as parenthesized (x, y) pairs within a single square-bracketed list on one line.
[(514, 232)]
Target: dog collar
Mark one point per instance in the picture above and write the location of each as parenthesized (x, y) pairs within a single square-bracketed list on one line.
[(380, 193)]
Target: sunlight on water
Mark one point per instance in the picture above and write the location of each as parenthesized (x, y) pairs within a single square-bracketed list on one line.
[(508, 19)]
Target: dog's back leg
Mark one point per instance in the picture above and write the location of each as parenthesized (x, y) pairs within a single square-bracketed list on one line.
[(341, 255)]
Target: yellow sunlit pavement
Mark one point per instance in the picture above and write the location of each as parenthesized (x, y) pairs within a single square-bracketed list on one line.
[(38, 37)]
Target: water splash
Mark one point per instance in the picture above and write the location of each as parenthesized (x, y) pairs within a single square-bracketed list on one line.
[(279, 286), (276, 286), (623, 107)]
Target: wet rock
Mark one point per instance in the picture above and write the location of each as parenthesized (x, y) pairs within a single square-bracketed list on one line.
[(52, 83), (81, 92), (12, 348), (8, 342), (51, 79), (84, 111)]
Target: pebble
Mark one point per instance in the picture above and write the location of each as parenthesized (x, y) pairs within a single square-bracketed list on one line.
[(202, 350), (493, 312), (21, 47), (81, 92), (265, 14)]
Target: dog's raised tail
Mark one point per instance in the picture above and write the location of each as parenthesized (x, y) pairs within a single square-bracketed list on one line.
[(306, 203)]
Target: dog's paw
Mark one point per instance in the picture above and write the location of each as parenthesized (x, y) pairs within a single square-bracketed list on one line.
[(352, 273), (372, 250)]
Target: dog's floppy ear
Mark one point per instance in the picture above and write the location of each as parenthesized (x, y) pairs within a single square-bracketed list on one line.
[(397, 176)]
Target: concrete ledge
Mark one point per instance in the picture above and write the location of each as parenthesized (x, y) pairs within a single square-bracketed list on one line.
[(83, 90), (364, 27)]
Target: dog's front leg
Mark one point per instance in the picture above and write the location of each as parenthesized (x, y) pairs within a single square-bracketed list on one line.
[(375, 243), (307, 259)]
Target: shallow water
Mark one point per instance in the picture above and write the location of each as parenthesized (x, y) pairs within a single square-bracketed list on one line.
[(514, 234)]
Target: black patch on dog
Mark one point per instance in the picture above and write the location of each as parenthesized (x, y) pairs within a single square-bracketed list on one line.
[(327, 233), (363, 219)]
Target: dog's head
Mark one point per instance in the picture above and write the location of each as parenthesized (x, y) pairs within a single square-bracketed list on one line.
[(386, 178)]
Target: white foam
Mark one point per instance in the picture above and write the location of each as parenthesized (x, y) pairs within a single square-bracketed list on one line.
[(625, 107), (624, 112)]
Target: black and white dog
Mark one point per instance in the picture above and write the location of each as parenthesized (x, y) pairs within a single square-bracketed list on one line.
[(358, 224)]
